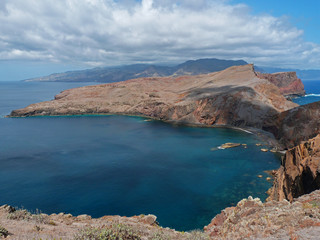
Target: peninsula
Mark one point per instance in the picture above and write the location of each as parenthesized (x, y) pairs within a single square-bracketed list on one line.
[(238, 97)]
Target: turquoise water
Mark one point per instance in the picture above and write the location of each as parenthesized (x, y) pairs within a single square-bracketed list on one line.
[(118, 165), (312, 93)]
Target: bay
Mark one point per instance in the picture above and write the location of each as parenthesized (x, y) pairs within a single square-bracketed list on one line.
[(120, 165)]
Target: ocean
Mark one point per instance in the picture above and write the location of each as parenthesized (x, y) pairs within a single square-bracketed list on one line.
[(120, 165), (312, 93)]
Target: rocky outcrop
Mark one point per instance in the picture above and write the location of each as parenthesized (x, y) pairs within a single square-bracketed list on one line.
[(252, 219), (249, 219), (292, 127), (235, 96), (299, 172), (288, 83), (21, 224)]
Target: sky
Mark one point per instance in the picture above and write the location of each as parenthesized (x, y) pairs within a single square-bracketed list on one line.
[(42, 37)]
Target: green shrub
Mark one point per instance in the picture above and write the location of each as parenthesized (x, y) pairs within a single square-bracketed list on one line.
[(115, 232), (20, 214), (198, 235), (3, 232), (160, 236)]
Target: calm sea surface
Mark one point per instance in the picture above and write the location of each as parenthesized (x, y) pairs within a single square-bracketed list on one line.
[(107, 165)]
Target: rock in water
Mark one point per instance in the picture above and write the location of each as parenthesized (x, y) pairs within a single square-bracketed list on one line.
[(229, 145)]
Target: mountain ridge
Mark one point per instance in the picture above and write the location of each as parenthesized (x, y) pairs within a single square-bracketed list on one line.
[(126, 72)]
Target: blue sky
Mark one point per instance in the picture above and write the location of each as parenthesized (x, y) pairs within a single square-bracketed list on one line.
[(42, 37), (302, 14)]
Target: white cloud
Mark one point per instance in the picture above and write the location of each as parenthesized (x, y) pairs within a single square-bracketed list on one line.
[(109, 32)]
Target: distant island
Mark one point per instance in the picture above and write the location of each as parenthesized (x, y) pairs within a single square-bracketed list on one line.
[(190, 67)]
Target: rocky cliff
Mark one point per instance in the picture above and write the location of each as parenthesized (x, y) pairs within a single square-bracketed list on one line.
[(235, 96), (288, 83), (299, 172), (252, 219), (295, 125)]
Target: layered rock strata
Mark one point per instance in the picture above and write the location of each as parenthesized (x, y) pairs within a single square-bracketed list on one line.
[(288, 83), (235, 96), (299, 172)]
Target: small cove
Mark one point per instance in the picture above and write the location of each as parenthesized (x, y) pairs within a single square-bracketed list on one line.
[(119, 165)]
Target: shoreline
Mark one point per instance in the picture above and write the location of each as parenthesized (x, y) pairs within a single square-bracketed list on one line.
[(264, 135)]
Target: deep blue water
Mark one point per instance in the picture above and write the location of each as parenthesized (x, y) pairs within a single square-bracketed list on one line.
[(312, 93), (107, 165)]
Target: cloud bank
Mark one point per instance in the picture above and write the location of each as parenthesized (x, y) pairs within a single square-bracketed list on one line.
[(110, 32)]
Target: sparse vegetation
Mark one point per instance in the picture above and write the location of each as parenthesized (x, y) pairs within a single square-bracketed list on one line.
[(115, 232), (19, 214), (198, 235), (160, 236), (23, 214), (3, 232)]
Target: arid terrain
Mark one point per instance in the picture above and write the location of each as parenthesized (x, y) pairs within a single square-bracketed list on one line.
[(238, 97)]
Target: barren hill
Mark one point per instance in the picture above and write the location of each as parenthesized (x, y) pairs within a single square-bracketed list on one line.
[(235, 96)]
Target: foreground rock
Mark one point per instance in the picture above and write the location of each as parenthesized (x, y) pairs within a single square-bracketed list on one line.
[(299, 172), (235, 96), (288, 82), (252, 219), (22, 225)]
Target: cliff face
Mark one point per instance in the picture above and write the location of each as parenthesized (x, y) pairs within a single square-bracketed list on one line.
[(288, 82), (299, 172), (295, 125), (235, 96)]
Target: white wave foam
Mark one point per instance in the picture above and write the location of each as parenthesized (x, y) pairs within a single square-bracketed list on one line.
[(312, 95)]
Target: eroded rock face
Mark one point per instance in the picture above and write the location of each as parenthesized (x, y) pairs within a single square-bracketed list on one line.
[(252, 219), (299, 172), (295, 125), (288, 83), (235, 96)]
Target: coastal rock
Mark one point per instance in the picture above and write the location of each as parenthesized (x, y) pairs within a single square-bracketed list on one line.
[(292, 127), (299, 172), (66, 226), (235, 97), (249, 219), (230, 145), (252, 219), (288, 83)]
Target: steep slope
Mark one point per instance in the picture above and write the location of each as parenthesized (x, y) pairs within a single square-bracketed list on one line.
[(288, 83), (295, 125), (235, 96), (299, 172), (252, 219)]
